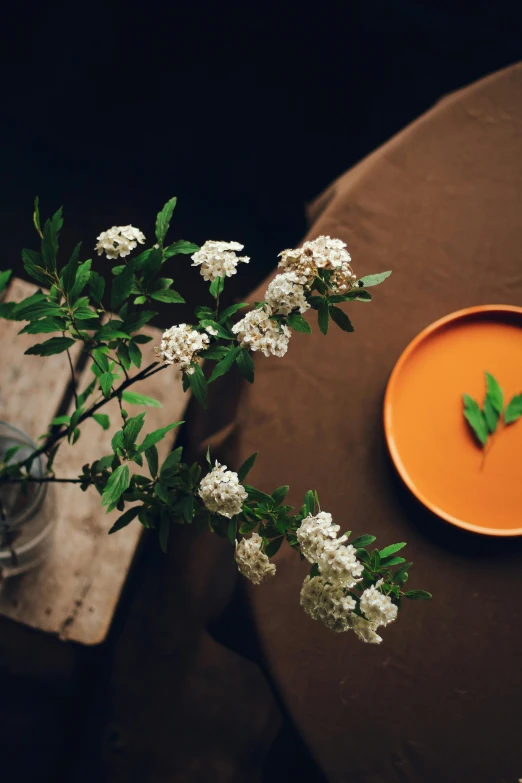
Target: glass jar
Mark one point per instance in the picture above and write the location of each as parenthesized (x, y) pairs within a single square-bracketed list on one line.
[(26, 519)]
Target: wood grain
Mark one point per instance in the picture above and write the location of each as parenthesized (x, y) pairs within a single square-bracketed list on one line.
[(74, 594)]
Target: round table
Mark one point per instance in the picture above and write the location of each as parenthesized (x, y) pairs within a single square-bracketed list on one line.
[(440, 698)]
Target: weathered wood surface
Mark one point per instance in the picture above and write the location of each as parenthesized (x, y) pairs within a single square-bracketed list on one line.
[(74, 594)]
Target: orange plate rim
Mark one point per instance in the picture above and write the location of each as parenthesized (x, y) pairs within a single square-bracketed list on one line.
[(388, 405)]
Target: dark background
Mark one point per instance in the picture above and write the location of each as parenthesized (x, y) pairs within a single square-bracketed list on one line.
[(243, 111)]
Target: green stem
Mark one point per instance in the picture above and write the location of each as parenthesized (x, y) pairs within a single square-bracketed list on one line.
[(53, 439)]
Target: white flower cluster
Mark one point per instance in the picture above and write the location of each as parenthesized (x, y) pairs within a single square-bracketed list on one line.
[(221, 491), (377, 607), (321, 253), (317, 537), (257, 332), (327, 602), (251, 561), (119, 241), (286, 293), (218, 259), (180, 345), (324, 596)]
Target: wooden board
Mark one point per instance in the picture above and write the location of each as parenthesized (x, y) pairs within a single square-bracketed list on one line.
[(74, 594)]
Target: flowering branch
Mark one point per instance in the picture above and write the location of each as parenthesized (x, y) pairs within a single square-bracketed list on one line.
[(348, 586)]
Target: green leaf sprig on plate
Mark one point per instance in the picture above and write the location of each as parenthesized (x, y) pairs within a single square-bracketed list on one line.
[(483, 421)]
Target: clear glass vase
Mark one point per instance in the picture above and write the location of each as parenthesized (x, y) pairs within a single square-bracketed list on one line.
[(26, 518)]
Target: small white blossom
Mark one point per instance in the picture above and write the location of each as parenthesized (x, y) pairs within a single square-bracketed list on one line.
[(313, 533), (211, 330), (251, 561), (119, 241), (258, 333), (365, 630), (321, 253), (180, 345), (338, 563), (221, 491), (218, 259), (286, 293), (378, 608), (327, 602)]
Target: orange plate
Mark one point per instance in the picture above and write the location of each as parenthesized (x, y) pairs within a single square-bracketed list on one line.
[(428, 437)]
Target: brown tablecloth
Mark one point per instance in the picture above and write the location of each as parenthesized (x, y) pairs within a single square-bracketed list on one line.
[(440, 699)]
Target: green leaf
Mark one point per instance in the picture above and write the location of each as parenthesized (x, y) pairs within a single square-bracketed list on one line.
[(371, 280), (323, 316), (198, 385), (83, 274), (50, 232), (170, 465), (221, 331), (418, 595), (163, 220), (44, 326), (490, 415), (106, 381), (140, 399), (162, 283), (152, 458), (61, 420), (164, 532), (217, 286), (309, 502), (122, 286), (401, 574), (168, 295), (246, 467), (314, 571), (232, 531), (157, 435), (475, 418), (225, 364), (34, 266), (150, 265), (132, 429), (96, 286), (246, 365), (135, 354), (363, 296), (36, 216), (181, 246), (142, 339), (123, 356), (4, 279), (117, 442), (68, 275), (50, 347), (273, 546), (391, 561), (298, 323), (513, 410), (228, 311), (135, 321), (362, 541), (280, 494), (118, 482), (494, 393), (125, 519), (112, 330), (390, 550), (257, 495), (102, 419), (339, 317)]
